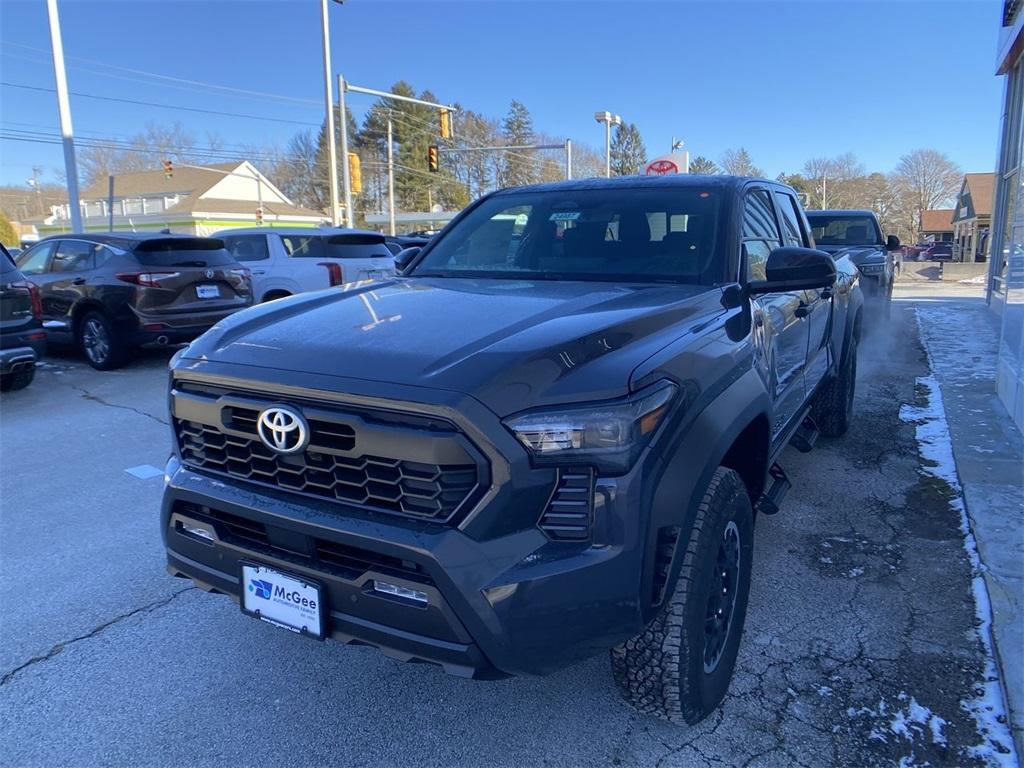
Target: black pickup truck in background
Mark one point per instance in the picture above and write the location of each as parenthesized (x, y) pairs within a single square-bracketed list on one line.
[(858, 235), (546, 439)]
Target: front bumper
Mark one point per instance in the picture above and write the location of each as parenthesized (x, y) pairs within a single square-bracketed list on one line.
[(515, 603)]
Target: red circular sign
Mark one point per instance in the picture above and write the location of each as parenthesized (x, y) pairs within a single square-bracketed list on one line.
[(661, 168)]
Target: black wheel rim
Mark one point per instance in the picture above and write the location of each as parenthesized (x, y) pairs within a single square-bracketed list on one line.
[(95, 340), (722, 599)]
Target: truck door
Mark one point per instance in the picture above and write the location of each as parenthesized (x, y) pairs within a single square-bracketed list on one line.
[(815, 305), (785, 329)]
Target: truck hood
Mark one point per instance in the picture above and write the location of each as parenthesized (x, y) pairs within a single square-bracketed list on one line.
[(511, 344), (859, 254)]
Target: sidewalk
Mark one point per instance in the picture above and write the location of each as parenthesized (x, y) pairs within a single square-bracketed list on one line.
[(960, 336)]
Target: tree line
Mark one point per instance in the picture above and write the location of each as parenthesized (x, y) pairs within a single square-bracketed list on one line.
[(922, 180)]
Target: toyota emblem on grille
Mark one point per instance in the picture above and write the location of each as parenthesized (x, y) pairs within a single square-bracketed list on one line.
[(283, 429)]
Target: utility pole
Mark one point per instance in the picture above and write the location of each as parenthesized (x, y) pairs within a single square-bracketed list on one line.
[(391, 180), (329, 105), (34, 183), (64, 110), (346, 181)]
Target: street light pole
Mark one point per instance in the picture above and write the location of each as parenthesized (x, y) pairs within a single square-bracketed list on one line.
[(568, 159), (64, 109), (608, 119), (391, 180), (329, 105)]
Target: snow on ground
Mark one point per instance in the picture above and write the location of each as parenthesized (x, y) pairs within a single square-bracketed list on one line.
[(936, 449)]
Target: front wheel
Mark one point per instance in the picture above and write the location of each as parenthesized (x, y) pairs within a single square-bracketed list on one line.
[(680, 666), (99, 343)]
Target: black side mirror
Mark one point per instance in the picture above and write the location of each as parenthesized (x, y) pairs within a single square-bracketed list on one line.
[(892, 243), (404, 258), (795, 269)]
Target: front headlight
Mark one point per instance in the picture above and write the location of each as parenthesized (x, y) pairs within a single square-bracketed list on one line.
[(609, 435), (872, 269)]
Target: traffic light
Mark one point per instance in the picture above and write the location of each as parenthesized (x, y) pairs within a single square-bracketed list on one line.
[(259, 217), (433, 163), (355, 173), (446, 124), (168, 169)]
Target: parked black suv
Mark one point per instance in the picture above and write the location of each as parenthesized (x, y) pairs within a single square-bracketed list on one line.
[(546, 440), (22, 338), (109, 293), (857, 234)]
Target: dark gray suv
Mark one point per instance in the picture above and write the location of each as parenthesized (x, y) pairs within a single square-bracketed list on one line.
[(546, 440), (109, 293)]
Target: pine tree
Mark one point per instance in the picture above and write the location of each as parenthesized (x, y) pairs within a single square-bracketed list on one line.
[(519, 166), (701, 164), (629, 155)]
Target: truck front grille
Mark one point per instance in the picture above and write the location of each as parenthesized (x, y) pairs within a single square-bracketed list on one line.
[(426, 471)]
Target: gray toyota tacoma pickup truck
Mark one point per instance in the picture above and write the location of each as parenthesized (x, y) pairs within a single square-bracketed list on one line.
[(547, 438)]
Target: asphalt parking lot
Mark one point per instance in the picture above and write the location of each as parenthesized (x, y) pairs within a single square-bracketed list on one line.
[(860, 647)]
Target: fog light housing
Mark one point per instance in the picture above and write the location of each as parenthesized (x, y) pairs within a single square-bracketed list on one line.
[(403, 592)]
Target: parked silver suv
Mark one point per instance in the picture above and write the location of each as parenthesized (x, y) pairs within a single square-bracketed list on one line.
[(285, 261)]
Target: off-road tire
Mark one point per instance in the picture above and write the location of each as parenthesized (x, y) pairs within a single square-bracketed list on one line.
[(112, 353), (832, 408), (663, 670), (12, 381)]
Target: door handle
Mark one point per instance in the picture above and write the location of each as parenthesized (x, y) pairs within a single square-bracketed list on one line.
[(78, 281)]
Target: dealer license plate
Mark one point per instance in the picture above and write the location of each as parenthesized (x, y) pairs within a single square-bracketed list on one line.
[(207, 291), (282, 600)]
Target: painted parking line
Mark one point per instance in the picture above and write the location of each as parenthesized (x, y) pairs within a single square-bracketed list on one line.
[(144, 471)]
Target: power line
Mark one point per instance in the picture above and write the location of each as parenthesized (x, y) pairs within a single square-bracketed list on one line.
[(212, 153), (170, 78), (163, 106)]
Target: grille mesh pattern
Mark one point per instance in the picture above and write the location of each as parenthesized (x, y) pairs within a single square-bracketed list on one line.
[(429, 491)]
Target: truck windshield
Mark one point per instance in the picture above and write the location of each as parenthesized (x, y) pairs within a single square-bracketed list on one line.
[(640, 235), (844, 229)]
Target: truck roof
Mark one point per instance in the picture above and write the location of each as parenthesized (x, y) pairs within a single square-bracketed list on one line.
[(644, 182)]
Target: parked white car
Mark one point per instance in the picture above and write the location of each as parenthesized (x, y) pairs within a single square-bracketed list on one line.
[(284, 261)]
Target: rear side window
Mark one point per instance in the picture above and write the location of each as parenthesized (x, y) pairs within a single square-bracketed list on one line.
[(34, 260), (182, 252), (760, 233), (303, 246), (73, 256), (356, 247), (247, 247)]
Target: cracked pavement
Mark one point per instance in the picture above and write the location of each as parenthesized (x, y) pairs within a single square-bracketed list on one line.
[(860, 643)]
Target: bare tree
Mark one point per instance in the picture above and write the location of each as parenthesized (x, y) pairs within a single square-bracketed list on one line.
[(928, 179), (737, 162)]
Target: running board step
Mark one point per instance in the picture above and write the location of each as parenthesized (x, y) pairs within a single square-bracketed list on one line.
[(771, 500), (805, 436)]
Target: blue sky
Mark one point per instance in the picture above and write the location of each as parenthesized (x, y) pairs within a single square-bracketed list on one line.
[(786, 80)]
